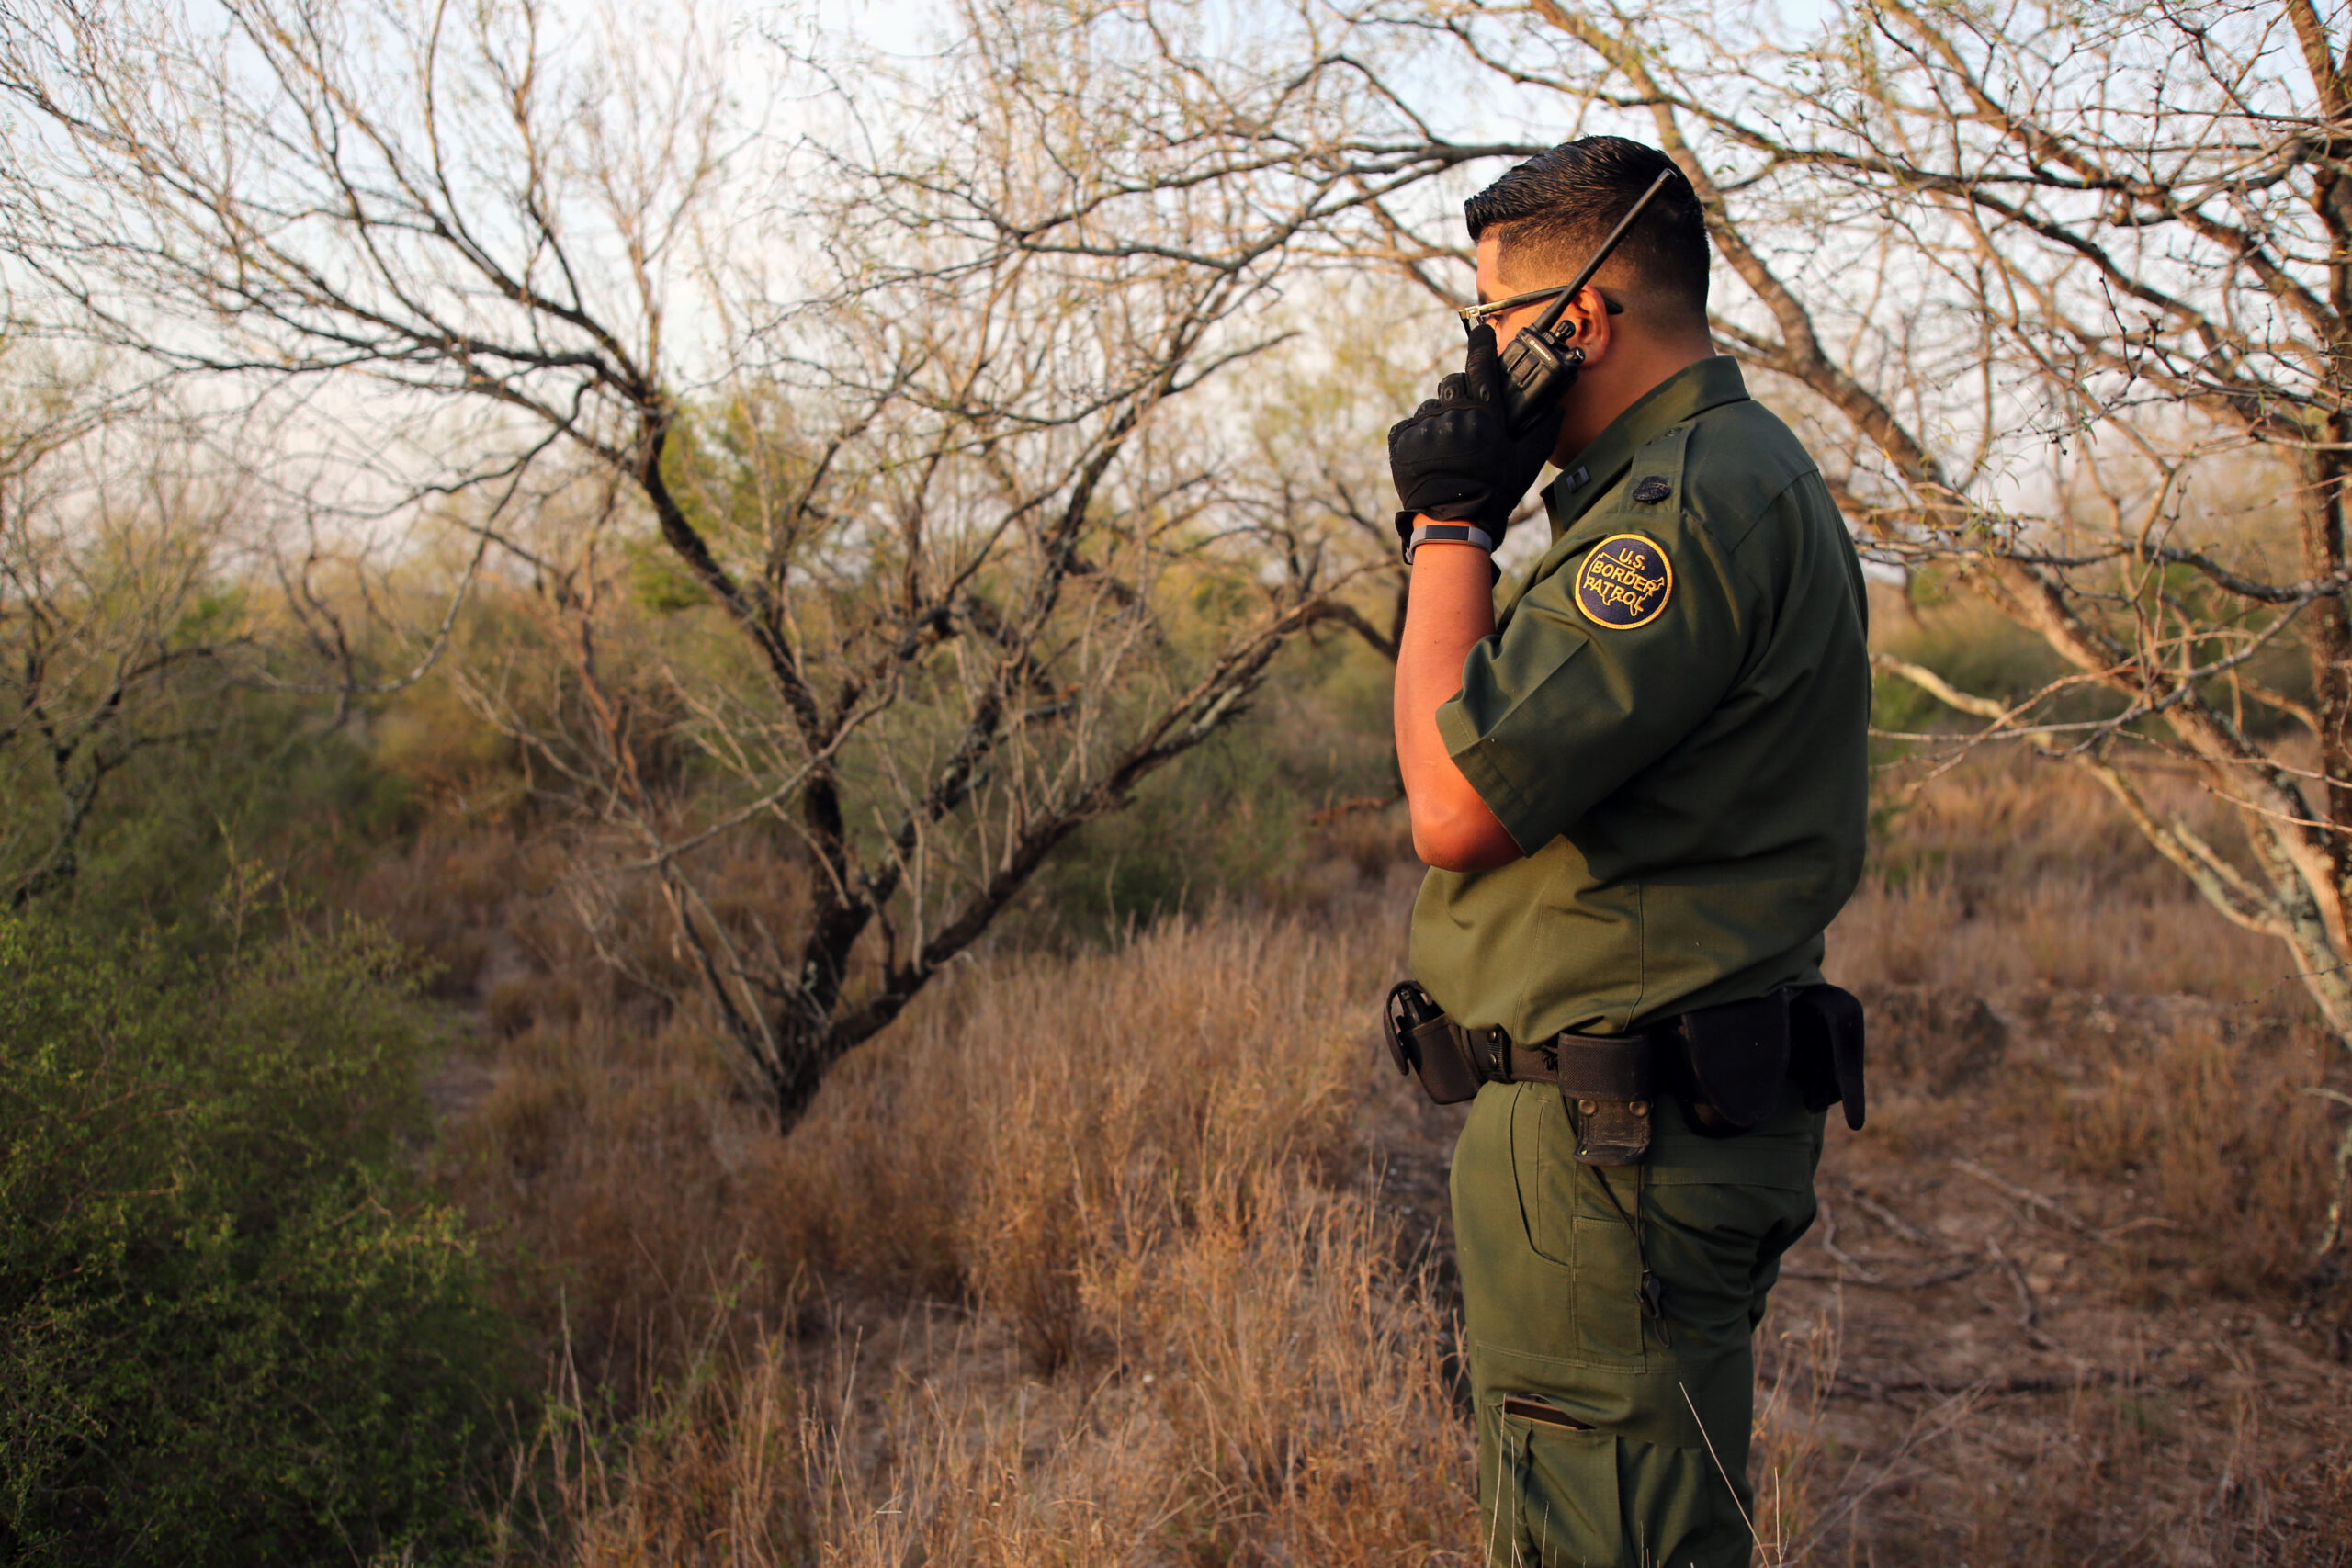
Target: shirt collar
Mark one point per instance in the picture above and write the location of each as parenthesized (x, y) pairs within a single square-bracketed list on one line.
[(1689, 392)]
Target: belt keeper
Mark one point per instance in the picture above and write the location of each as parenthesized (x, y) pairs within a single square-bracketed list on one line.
[(1490, 1049)]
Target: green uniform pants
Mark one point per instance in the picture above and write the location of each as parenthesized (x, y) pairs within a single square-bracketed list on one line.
[(1550, 1282)]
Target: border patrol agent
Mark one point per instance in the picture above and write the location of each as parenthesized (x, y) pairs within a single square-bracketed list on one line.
[(1641, 790)]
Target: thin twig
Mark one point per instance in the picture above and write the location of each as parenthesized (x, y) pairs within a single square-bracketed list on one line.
[(2051, 1207)]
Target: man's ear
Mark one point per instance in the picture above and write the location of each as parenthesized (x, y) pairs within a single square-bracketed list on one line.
[(1587, 314)]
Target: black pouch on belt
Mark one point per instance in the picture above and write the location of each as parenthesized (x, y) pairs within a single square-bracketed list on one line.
[(1826, 1040), (1422, 1042), (1734, 1063)]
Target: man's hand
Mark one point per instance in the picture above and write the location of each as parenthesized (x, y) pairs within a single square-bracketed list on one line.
[(1455, 459)]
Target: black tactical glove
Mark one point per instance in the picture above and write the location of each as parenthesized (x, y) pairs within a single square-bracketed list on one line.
[(1456, 461)]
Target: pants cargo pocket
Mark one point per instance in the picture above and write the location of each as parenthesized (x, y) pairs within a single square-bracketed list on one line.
[(1573, 1220), (1595, 1499), (1558, 1506)]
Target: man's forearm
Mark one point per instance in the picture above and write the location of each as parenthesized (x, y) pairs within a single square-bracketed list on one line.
[(1449, 611)]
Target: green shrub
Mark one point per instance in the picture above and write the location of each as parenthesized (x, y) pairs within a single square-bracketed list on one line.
[(263, 790), (231, 1330), (1234, 818), (1972, 646)]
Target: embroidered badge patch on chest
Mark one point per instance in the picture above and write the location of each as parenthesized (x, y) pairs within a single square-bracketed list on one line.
[(1624, 582)]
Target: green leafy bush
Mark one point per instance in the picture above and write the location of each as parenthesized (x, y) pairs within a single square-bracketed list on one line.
[(231, 1330), (1234, 819), (263, 790)]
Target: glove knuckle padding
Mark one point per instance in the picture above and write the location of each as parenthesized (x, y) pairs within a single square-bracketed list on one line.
[(1455, 391), (1435, 438)]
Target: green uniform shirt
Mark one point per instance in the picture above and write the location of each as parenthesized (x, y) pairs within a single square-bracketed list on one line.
[(1671, 721)]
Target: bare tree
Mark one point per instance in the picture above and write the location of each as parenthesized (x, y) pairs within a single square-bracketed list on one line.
[(956, 560), (113, 641)]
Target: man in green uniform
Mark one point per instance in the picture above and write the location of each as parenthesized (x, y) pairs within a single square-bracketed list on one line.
[(1642, 792)]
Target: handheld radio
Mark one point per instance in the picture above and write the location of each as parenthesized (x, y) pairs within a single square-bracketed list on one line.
[(1540, 365)]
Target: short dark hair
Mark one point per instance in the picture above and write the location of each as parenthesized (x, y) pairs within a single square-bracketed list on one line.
[(1556, 207)]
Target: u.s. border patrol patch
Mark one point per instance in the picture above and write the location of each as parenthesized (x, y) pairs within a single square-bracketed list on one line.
[(1624, 582)]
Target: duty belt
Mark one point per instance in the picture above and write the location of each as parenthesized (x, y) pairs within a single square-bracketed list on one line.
[(1732, 1065)]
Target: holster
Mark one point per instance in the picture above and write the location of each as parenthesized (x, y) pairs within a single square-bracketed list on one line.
[(1422, 1041), (1733, 1066), (1730, 1063), (1736, 1064)]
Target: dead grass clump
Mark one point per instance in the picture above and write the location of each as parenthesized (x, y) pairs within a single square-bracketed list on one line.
[(1170, 1323), (2213, 1130), (1027, 1124), (712, 1474), (606, 1153), (450, 896), (1296, 1370), (2006, 872), (1793, 1453), (1263, 1394), (1267, 1396)]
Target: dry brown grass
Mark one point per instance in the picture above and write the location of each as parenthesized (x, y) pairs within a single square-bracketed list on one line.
[(1138, 1257), (2143, 1041), (2009, 871), (2207, 1125), (2067, 1268), (1087, 1266)]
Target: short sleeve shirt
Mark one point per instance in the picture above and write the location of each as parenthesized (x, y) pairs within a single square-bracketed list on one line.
[(1672, 722)]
